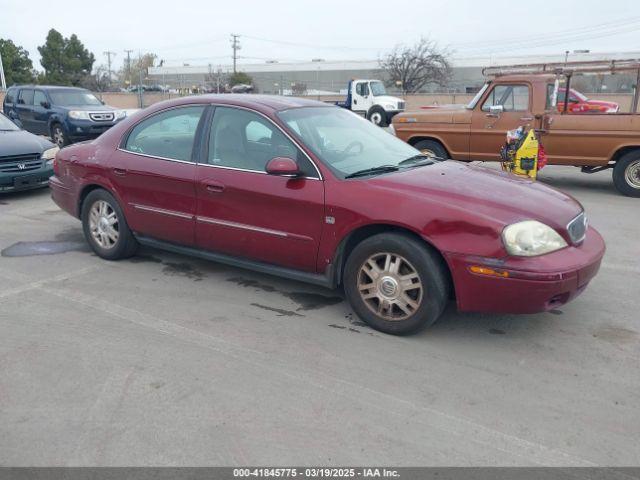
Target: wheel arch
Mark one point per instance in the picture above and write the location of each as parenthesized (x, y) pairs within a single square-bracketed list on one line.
[(621, 151), (90, 187), (353, 238)]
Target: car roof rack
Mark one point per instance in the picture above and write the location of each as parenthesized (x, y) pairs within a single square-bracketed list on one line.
[(564, 68)]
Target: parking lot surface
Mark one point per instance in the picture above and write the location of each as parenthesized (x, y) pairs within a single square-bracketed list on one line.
[(168, 360)]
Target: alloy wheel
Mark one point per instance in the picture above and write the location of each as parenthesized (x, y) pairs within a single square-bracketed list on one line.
[(390, 286), (103, 224), (58, 137)]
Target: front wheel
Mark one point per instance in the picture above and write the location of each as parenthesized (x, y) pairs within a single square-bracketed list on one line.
[(432, 148), (58, 136), (105, 227), (377, 116), (396, 283), (626, 174)]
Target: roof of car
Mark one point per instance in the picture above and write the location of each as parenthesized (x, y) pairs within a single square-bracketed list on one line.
[(49, 87), (257, 102)]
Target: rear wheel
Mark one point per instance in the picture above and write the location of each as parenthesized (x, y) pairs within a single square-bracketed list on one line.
[(626, 174), (377, 116), (58, 136), (395, 283), (431, 148), (105, 227)]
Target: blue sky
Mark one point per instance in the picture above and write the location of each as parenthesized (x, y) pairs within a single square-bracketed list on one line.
[(197, 31)]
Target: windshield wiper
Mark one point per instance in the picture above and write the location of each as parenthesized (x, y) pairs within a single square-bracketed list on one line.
[(374, 171), (419, 160)]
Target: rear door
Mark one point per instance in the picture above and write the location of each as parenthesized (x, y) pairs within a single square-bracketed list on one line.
[(489, 130), (245, 212), (154, 171)]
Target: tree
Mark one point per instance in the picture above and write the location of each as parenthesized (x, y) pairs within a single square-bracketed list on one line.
[(299, 88), (18, 67), (240, 78), (139, 67), (99, 81), (65, 60), (413, 67)]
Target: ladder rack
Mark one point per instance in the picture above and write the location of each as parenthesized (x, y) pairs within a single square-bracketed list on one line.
[(564, 68)]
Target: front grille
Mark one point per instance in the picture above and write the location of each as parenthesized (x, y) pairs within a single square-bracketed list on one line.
[(101, 117), (577, 228), (20, 163), (400, 105)]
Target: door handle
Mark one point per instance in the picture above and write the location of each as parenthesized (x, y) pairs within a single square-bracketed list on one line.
[(121, 172), (214, 187)]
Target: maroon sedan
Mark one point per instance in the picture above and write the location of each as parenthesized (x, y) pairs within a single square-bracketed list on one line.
[(314, 193)]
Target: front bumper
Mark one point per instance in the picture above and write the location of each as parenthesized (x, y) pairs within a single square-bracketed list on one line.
[(391, 114), (27, 180), (86, 129), (534, 284)]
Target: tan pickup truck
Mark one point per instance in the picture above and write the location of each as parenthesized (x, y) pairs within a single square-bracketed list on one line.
[(477, 131)]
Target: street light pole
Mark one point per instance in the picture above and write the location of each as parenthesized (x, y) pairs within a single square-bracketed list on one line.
[(3, 81)]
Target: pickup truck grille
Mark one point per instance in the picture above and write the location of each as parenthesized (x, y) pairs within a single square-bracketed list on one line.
[(20, 163), (577, 228), (400, 105), (101, 117)]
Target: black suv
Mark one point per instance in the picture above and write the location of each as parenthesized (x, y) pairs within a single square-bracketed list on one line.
[(66, 114)]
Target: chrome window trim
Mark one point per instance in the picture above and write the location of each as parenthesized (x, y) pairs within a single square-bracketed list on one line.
[(284, 132), (157, 157), (252, 228), (162, 211)]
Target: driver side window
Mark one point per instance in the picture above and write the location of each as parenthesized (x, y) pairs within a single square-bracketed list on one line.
[(513, 98), (362, 89)]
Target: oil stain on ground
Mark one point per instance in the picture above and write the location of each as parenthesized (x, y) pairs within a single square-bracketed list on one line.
[(305, 300), (281, 312), (68, 241), (182, 269), (615, 334)]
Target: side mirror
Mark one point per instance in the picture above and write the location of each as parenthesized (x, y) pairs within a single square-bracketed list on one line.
[(496, 110), (45, 104), (283, 167)]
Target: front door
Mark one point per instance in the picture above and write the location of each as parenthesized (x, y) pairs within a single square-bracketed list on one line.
[(245, 212), (40, 113), (362, 98), (154, 172), (489, 129)]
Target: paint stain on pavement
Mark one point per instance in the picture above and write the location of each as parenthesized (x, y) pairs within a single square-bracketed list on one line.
[(615, 334), (28, 249)]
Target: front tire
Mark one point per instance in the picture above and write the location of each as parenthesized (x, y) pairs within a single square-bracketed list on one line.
[(396, 283), (105, 227), (58, 135), (626, 174), (432, 148), (377, 116)]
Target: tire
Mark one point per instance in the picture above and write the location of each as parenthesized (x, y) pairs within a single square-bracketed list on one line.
[(58, 135), (377, 116), (97, 210), (382, 310), (626, 174), (432, 148)]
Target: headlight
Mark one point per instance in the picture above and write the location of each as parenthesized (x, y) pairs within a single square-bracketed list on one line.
[(531, 238), (49, 155), (79, 115), (120, 114)]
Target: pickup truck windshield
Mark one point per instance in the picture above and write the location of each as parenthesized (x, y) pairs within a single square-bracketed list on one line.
[(472, 104), (70, 98), (346, 142), (377, 88), (7, 125)]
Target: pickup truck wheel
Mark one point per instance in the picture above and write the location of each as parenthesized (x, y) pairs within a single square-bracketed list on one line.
[(395, 283), (432, 148), (58, 136), (105, 227), (377, 116), (626, 174)]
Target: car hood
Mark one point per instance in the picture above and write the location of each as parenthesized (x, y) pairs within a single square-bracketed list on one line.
[(602, 103), (20, 142), (499, 197), (444, 114), (90, 108)]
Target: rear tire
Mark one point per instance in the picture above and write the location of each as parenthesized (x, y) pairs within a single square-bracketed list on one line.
[(377, 116), (626, 174), (432, 148), (105, 227), (396, 283)]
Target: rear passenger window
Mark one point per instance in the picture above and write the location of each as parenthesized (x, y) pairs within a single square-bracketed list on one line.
[(25, 97), (169, 134)]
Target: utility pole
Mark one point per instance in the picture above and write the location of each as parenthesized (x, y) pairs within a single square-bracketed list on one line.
[(140, 83), (108, 53), (3, 81), (128, 52), (235, 45)]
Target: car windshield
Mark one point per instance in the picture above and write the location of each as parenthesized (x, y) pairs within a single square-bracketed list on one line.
[(6, 124), (346, 142), (377, 88), (71, 98), (472, 104)]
